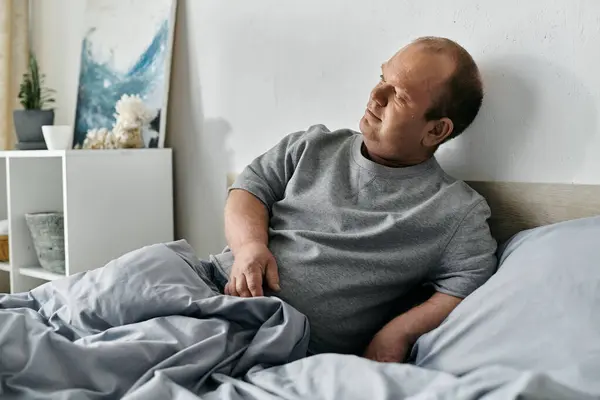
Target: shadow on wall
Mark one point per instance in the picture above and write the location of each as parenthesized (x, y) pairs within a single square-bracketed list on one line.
[(534, 125), (201, 160)]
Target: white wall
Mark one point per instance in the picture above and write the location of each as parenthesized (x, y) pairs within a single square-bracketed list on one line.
[(57, 30), (246, 73)]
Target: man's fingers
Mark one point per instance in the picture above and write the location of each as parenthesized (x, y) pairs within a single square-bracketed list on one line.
[(272, 275), (242, 287), (232, 287), (254, 282)]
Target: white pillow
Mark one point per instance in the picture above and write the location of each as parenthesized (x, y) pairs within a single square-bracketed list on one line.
[(540, 311)]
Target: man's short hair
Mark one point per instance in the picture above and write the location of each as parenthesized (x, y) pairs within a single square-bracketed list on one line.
[(462, 95)]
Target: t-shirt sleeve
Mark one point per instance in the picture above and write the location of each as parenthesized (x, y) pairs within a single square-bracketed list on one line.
[(267, 176), (469, 258)]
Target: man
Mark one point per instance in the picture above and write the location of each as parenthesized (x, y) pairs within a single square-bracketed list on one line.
[(344, 226)]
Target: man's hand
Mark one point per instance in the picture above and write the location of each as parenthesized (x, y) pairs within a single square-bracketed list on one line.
[(388, 346), (252, 262), (393, 341)]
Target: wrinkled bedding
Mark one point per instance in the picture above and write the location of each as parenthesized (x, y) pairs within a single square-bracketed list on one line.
[(145, 320), (151, 325), (330, 377)]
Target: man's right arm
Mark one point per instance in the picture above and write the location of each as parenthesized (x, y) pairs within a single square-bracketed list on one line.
[(246, 220), (246, 230), (247, 212)]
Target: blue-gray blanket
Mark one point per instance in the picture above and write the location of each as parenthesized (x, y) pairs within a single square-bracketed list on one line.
[(151, 325)]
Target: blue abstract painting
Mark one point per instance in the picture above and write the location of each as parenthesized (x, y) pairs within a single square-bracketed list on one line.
[(127, 49)]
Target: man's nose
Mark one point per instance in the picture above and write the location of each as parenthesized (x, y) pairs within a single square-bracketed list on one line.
[(379, 94)]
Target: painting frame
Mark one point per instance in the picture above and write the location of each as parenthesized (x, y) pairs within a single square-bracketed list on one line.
[(85, 116)]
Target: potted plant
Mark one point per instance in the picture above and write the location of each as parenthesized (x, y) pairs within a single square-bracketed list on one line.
[(35, 98)]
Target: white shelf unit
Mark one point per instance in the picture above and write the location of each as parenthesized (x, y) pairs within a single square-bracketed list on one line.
[(113, 201)]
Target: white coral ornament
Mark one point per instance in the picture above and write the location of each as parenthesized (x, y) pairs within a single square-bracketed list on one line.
[(98, 139), (131, 117), (128, 137), (133, 113)]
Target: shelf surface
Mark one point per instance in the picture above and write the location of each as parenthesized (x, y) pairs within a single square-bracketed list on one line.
[(31, 153), (40, 273), (78, 153), (4, 266)]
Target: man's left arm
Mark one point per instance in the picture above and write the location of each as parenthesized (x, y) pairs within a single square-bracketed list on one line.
[(394, 341), (467, 262)]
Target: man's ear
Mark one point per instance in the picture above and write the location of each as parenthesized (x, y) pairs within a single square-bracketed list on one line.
[(438, 132)]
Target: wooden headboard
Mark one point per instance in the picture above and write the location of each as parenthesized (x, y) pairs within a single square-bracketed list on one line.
[(518, 206)]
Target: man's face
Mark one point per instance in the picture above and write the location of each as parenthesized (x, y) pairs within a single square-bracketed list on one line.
[(394, 127)]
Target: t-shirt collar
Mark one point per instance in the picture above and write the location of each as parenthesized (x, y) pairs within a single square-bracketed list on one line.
[(391, 172)]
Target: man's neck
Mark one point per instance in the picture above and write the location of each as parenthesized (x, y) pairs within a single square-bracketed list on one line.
[(392, 163)]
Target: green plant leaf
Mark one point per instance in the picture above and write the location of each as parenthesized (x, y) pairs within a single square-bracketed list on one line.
[(32, 91)]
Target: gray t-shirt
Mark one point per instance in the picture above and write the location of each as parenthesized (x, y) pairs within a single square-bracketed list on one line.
[(352, 238)]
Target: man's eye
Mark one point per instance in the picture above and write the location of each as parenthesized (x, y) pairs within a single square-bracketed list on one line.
[(400, 97), (381, 77)]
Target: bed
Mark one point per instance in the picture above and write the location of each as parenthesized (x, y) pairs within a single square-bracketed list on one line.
[(532, 331)]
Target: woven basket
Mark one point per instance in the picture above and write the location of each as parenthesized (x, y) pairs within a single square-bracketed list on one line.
[(47, 232), (3, 248)]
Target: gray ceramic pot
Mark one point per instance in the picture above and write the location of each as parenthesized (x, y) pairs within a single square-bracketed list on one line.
[(48, 234), (28, 124)]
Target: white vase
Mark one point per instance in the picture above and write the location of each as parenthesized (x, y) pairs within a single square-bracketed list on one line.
[(58, 137)]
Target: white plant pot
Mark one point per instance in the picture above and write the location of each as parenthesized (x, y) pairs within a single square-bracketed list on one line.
[(58, 137)]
